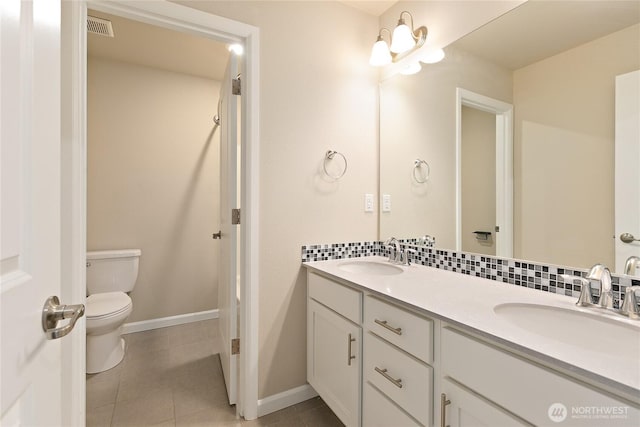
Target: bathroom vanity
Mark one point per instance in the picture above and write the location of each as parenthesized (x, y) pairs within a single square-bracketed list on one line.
[(391, 345)]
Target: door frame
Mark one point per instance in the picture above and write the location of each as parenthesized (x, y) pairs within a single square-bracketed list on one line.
[(181, 18), (504, 166)]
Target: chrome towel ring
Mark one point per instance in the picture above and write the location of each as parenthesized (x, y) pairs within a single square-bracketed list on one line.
[(421, 179), (329, 156)]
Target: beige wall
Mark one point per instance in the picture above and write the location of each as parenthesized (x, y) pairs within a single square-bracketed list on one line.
[(317, 93), (418, 120), (153, 181), (563, 151), (478, 179)]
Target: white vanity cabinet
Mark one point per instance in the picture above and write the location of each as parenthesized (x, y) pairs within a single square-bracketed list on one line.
[(334, 341), (466, 409), (379, 360), (398, 347), (488, 385)]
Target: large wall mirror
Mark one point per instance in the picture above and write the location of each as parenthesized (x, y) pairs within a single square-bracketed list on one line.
[(556, 63)]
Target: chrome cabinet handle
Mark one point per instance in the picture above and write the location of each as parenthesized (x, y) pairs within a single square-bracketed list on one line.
[(349, 356), (383, 372), (443, 405), (53, 311), (383, 323)]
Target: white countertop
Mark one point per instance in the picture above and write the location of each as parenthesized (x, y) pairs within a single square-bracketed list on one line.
[(470, 301)]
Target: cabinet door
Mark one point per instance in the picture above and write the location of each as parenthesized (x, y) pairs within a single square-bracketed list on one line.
[(333, 361), (470, 410)]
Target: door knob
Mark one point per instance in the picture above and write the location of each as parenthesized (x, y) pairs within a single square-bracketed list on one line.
[(53, 312), (628, 238)]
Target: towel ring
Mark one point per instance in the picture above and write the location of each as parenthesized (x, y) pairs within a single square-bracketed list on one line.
[(329, 156), (416, 168)]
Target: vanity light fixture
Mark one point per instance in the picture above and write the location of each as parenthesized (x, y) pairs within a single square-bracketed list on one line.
[(404, 40)]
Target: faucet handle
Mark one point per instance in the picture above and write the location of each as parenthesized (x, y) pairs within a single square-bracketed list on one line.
[(586, 298), (630, 305), (405, 256)]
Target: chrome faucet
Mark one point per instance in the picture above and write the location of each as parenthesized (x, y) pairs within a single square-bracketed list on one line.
[(630, 266), (599, 276), (395, 251)]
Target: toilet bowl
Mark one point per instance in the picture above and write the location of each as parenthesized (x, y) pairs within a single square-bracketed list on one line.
[(106, 313), (110, 275)]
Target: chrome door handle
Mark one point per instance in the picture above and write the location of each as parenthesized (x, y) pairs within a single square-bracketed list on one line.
[(350, 357), (443, 407), (217, 235), (53, 311), (628, 238)]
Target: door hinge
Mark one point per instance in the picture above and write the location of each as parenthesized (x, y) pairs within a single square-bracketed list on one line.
[(235, 216), (497, 228), (236, 86), (235, 346)]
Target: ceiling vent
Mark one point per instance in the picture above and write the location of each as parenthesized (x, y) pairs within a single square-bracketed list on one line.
[(99, 26)]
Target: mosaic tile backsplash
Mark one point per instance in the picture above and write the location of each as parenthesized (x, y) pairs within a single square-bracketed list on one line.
[(543, 277)]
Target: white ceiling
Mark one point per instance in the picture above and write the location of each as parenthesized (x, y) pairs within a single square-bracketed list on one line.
[(157, 47), (541, 28)]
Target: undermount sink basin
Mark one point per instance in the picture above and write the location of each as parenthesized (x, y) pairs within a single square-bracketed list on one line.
[(370, 267), (592, 331)]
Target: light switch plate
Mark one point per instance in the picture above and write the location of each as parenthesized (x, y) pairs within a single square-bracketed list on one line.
[(386, 203), (368, 202)]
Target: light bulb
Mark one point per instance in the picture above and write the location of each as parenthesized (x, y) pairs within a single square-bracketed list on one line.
[(411, 69), (432, 56), (402, 39), (380, 54), (236, 48)]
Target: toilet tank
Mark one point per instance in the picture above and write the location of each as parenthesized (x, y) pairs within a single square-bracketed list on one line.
[(112, 271)]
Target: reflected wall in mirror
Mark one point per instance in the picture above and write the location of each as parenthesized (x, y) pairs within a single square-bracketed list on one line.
[(557, 63)]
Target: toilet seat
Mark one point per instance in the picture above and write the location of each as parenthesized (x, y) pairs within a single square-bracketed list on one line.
[(105, 305)]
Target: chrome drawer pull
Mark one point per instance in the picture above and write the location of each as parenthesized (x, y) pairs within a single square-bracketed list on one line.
[(383, 323), (349, 356), (383, 372)]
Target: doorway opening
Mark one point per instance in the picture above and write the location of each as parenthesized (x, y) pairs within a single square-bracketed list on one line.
[(474, 105), (192, 21)]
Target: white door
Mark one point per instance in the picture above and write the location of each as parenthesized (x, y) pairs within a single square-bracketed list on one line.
[(30, 257), (627, 167), (227, 271), (334, 365)]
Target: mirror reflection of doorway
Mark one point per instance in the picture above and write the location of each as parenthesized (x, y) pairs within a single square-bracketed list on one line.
[(478, 181), (484, 160)]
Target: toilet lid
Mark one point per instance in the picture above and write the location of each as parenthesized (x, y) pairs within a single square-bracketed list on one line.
[(106, 303)]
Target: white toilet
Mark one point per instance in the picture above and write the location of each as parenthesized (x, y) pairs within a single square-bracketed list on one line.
[(110, 274)]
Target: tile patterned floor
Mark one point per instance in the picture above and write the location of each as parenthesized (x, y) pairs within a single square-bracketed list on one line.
[(172, 377)]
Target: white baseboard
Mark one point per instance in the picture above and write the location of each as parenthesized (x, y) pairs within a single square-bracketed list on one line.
[(163, 322), (285, 399)]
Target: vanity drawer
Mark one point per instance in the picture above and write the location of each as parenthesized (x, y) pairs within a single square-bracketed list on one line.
[(402, 378), (379, 411), (407, 330), (523, 387), (341, 299)]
